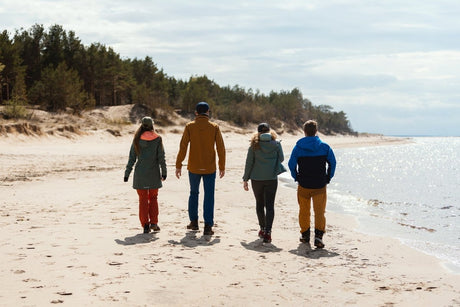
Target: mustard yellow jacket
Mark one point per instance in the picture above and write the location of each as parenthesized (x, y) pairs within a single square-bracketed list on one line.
[(204, 138)]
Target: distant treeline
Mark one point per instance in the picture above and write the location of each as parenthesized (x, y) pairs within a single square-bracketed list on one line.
[(55, 71)]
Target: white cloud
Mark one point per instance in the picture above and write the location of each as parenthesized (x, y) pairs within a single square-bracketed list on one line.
[(375, 60)]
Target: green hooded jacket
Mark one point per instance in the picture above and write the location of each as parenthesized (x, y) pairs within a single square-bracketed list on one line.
[(150, 166), (261, 163)]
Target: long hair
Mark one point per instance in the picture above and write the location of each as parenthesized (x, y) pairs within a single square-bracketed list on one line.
[(137, 137), (255, 140)]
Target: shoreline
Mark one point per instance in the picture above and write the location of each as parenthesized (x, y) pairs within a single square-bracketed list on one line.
[(70, 233)]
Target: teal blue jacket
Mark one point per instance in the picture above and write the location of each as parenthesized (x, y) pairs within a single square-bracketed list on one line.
[(261, 163), (150, 166)]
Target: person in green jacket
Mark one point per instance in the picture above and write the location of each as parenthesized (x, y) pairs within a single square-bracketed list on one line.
[(263, 163), (149, 172)]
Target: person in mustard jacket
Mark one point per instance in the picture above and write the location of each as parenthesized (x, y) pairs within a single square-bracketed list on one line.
[(263, 159), (150, 170), (204, 138)]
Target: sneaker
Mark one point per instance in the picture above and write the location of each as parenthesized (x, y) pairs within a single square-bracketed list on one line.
[(154, 227), (146, 228), (193, 225), (267, 237), (208, 230), (261, 233)]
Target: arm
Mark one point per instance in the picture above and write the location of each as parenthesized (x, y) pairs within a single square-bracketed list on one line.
[(131, 160), (293, 163), (280, 152), (182, 151), (220, 146), (249, 164), (162, 160), (331, 163)]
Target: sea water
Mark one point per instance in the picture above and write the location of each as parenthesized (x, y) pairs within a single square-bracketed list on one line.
[(410, 192)]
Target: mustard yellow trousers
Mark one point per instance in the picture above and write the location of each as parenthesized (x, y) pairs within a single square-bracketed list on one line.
[(319, 197)]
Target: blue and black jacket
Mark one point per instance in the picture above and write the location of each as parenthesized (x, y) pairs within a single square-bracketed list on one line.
[(308, 162)]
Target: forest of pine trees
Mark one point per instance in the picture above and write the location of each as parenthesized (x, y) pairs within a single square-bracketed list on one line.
[(53, 70)]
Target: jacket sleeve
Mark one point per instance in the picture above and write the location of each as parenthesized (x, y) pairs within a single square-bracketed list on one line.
[(161, 158), (280, 152), (249, 164), (331, 163), (293, 163), (183, 148), (132, 159), (220, 147)]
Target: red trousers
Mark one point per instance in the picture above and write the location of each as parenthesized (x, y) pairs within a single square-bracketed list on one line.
[(148, 206)]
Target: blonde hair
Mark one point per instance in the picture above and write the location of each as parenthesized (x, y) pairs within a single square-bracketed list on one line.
[(256, 138)]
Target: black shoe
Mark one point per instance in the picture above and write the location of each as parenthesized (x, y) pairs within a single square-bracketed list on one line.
[(305, 237), (193, 225), (208, 230), (155, 227), (319, 238), (146, 228), (261, 233), (267, 237)]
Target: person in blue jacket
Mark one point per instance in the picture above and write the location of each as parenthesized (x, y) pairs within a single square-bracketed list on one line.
[(312, 165)]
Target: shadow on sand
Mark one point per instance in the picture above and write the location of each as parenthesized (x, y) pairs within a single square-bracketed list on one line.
[(191, 240), (140, 238), (261, 247), (305, 250)]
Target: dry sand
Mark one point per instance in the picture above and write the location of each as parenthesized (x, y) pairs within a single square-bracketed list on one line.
[(70, 235)]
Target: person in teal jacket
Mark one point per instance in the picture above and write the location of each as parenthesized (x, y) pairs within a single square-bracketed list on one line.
[(150, 170), (263, 161)]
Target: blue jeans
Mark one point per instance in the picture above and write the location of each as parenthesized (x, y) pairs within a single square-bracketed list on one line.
[(209, 183)]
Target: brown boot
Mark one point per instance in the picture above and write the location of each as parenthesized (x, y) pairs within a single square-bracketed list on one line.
[(208, 230), (193, 225)]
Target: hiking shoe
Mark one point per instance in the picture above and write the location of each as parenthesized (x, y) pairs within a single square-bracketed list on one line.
[(146, 228), (208, 230), (267, 237), (319, 243), (154, 227), (261, 233), (319, 238), (193, 225), (305, 237)]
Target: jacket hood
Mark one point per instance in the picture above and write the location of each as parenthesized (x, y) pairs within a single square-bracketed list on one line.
[(267, 144), (309, 143), (149, 136)]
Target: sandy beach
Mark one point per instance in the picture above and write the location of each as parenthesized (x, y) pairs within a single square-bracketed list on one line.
[(70, 235)]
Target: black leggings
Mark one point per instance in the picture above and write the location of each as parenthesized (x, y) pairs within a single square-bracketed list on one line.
[(265, 191)]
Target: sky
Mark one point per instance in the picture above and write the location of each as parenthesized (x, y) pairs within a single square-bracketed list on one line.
[(392, 66)]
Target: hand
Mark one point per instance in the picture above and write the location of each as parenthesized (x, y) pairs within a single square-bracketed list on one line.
[(163, 178), (245, 186), (178, 173), (221, 173), (125, 179)]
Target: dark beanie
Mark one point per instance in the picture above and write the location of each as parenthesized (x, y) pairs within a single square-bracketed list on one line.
[(263, 127), (202, 107), (147, 122)]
